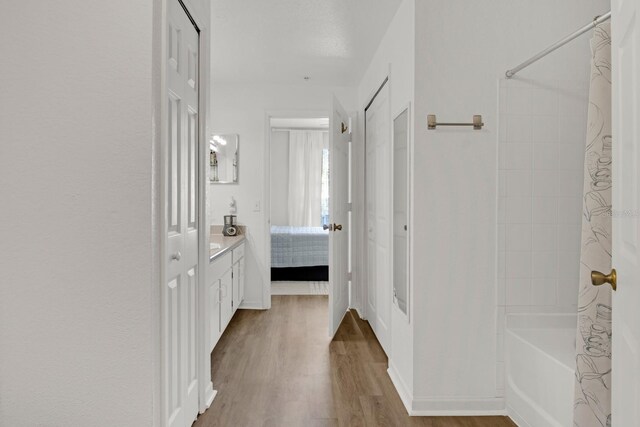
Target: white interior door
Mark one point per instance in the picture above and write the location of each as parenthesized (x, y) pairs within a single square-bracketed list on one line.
[(179, 291), (339, 139), (379, 208), (625, 196)]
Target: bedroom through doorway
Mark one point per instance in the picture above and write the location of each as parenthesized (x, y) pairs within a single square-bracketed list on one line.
[(299, 205)]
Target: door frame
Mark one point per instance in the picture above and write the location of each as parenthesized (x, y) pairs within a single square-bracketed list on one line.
[(275, 114), (200, 17), (363, 284)]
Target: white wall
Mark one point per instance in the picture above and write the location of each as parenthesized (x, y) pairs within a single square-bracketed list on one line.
[(540, 182), (394, 58), (279, 156), (243, 109), (75, 166), (80, 126), (541, 160), (462, 50)]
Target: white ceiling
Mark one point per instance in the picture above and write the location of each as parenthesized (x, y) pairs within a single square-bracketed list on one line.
[(281, 41)]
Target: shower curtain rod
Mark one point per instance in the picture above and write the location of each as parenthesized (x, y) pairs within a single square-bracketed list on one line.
[(596, 21)]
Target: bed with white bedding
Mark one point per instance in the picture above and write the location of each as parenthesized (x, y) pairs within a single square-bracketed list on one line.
[(299, 253)]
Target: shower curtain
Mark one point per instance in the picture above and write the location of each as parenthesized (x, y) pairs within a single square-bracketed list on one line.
[(305, 177), (592, 405)]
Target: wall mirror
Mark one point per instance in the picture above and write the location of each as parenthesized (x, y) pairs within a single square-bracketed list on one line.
[(224, 158), (401, 211)]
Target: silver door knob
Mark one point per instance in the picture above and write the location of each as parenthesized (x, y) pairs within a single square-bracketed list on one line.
[(176, 256)]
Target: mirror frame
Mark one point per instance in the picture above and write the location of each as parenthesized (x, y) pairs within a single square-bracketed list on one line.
[(237, 181), (406, 107)]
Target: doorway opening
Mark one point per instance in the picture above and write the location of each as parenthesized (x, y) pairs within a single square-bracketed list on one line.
[(299, 205)]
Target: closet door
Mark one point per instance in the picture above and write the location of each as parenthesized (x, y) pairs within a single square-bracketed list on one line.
[(379, 212), (179, 292)]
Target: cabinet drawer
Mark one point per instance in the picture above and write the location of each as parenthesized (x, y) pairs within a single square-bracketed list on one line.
[(238, 253)]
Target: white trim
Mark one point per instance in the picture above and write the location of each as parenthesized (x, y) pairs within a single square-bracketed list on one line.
[(358, 310), (209, 394), (158, 84), (331, 334), (252, 305), (394, 116), (444, 407), (458, 407), (516, 418), (401, 387), (158, 196)]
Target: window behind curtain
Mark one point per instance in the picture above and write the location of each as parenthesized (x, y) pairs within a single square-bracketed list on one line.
[(325, 187)]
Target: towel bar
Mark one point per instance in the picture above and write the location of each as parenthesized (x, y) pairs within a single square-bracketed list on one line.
[(432, 123)]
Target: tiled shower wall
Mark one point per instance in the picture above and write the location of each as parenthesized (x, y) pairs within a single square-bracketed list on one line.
[(541, 155)]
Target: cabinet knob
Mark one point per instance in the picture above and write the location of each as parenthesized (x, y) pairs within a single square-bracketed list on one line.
[(176, 256)]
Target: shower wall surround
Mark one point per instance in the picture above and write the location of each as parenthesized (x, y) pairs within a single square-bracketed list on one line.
[(540, 162)]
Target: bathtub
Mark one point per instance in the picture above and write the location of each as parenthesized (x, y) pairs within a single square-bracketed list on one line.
[(540, 359)]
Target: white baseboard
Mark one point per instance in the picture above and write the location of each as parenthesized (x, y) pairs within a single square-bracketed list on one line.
[(209, 395), (420, 407), (516, 418), (401, 387), (357, 309), (458, 407), (251, 305)]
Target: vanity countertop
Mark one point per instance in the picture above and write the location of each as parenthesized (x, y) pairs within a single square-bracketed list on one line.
[(220, 244)]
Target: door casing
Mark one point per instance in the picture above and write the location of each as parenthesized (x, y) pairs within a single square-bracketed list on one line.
[(275, 114)]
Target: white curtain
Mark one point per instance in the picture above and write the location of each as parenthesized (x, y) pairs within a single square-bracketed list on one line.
[(592, 406), (305, 177)]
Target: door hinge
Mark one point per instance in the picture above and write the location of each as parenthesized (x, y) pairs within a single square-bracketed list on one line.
[(350, 276), (349, 207)]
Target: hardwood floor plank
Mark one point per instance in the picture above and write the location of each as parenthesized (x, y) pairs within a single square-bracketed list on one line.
[(279, 368)]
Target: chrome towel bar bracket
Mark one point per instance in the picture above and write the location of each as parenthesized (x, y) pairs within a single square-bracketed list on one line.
[(432, 123)]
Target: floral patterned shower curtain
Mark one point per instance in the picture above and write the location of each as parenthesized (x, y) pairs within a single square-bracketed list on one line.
[(592, 406)]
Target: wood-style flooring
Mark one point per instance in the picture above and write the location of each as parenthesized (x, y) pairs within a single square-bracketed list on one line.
[(279, 368)]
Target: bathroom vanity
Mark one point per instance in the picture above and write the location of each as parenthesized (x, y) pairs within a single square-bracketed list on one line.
[(226, 282)]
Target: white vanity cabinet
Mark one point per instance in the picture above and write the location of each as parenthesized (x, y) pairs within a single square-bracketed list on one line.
[(226, 290), (237, 257)]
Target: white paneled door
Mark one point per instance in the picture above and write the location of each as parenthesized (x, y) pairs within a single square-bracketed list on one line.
[(179, 288), (378, 171), (625, 370), (340, 138)]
